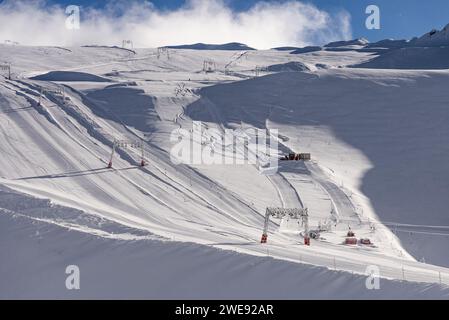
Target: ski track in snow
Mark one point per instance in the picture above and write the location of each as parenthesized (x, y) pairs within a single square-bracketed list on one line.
[(59, 149)]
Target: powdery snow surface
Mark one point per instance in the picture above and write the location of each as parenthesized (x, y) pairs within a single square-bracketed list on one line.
[(379, 147), (429, 51), (410, 58), (142, 268)]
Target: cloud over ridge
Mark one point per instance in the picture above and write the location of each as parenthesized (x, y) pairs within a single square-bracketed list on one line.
[(263, 26)]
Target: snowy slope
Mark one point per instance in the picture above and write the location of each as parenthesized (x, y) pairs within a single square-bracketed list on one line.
[(434, 38), (422, 58), (127, 263), (59, 150), (388, 152), (429, 51)]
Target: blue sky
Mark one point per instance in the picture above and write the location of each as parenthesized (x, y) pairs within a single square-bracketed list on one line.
[(399, 18), (280, 23)]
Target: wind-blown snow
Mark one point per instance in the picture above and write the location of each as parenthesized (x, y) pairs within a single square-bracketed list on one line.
[(262, 26)]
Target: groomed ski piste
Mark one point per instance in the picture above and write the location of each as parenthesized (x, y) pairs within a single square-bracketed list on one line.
[(379, 145)]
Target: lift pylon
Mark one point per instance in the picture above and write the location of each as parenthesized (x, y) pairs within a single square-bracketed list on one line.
[(6, 67), (59, 91), (293, 213), (209, 66), (163, 51), (127, 42), (125, 144)]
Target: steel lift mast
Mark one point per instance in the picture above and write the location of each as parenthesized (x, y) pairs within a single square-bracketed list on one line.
[(6, 67), (209, 65), (58, 91), (125, 42), (125, 144), (163, 51), (293, 213)]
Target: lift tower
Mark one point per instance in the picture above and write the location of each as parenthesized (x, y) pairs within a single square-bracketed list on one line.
[(6, 67), (293, 213), (125, 144)]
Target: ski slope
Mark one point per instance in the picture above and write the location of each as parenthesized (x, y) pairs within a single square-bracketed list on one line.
[(59, 149), (131, 263)]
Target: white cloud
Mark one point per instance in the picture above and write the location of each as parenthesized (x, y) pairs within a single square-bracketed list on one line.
[(265, 25)]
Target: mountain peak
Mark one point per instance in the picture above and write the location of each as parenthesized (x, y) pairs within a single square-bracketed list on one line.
[(434, 38)]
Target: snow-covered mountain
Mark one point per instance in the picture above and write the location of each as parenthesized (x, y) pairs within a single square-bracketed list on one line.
[(434, 38), (354, 42), (306, 50), (233, 46), (429, 51), (378, 140)]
